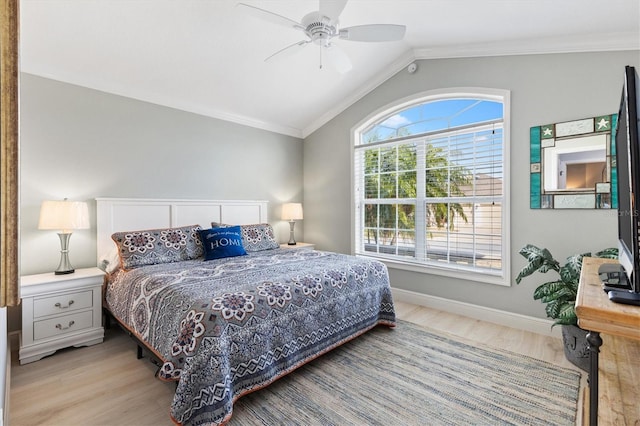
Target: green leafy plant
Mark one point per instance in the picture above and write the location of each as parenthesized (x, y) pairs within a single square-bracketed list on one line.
[(558, 295)]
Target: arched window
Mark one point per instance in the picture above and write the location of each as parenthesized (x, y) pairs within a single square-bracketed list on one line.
[(430, 184)]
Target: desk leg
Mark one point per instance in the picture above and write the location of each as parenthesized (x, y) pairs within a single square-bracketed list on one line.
[(595, 341)]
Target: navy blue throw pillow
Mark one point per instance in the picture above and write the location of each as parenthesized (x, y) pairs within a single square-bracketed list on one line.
[(222, 242)]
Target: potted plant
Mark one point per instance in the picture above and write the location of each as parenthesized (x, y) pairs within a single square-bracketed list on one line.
[(560, 295)]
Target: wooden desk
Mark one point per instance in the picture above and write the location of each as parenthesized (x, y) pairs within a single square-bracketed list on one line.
[(598, 314)]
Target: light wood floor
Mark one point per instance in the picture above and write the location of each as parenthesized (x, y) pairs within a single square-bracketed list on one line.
[(106, 385)]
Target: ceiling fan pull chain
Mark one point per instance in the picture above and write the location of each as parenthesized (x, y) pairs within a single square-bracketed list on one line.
[(320, 57)]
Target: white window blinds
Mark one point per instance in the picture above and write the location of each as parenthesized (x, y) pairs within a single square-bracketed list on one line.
[(433, 199)]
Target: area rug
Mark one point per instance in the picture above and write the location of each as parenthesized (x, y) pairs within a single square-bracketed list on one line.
[(412, 376)]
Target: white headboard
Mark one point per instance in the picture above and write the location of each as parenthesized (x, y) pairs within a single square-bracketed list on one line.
[(131, 214)]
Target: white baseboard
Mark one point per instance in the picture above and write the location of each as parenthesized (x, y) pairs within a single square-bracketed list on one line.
[(5, 368), (7, 387), (508, 319)]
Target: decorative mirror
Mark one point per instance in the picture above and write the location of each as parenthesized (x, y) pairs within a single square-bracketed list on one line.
[(573, 164)]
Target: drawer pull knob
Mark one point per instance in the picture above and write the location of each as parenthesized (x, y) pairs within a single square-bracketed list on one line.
[(59, 305), (60, 327)]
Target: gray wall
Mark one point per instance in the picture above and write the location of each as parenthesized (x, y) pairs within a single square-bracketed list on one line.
[(544, 89), (82, 144)]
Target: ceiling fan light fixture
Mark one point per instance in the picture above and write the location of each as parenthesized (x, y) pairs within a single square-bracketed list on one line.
[(321, 27), (318, 28)]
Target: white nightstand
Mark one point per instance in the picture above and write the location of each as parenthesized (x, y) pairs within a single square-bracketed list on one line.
[(60, 311), (298, 245)]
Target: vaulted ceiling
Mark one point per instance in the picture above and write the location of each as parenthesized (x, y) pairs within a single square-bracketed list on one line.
[(207, 56)]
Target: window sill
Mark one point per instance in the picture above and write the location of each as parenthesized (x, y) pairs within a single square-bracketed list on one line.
[(461, 274)]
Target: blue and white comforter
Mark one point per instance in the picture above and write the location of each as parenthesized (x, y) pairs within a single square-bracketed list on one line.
[(229, 326)]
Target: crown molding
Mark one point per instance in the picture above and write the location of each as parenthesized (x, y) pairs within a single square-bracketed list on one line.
[(574, 44)]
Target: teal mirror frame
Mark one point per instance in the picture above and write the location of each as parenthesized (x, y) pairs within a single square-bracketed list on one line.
[(604, 197)]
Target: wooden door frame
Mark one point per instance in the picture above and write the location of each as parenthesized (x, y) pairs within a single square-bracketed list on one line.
[(9, 125)]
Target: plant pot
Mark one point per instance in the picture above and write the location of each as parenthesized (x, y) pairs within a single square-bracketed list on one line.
[(576, 348)]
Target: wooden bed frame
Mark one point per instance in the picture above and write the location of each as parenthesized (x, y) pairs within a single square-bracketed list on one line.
[(131, 214)]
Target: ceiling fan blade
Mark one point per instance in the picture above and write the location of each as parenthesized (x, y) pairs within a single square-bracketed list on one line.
[(338, 58), (270, 16), (373, 32), (332, 9), (289, 50)]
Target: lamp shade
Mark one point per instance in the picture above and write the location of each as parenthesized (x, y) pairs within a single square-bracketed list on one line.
[(292, 211), (64, 215)]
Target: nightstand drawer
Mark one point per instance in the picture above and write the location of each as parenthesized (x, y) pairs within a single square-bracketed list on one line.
[(62, 325), (62, 303)]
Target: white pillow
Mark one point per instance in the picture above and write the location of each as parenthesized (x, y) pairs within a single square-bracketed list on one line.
[(110, 261)]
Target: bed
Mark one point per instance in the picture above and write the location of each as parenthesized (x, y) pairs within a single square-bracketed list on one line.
[(233, 324)]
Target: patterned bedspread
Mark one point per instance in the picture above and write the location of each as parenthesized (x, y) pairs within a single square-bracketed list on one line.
[(229, 326)]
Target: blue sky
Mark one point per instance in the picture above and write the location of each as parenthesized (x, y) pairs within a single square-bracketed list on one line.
[(438, 115)]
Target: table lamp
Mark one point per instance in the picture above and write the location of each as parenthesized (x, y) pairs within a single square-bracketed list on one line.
[(291, 212), (64, 216)]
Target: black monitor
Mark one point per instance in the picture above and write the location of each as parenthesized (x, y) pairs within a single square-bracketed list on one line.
[(628, 168)]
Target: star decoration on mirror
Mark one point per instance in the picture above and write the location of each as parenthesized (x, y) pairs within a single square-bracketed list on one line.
[(547, 131), (603, 123)]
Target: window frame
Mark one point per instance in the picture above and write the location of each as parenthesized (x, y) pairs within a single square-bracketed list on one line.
[(472, 274)]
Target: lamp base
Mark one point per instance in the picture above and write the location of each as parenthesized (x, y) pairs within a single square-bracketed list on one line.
[(64, 267), (292, 240)]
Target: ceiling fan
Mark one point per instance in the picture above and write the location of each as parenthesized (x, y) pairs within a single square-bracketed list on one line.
[(321, 28)]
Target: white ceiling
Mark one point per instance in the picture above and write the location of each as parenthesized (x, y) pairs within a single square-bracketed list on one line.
[(207, 56)]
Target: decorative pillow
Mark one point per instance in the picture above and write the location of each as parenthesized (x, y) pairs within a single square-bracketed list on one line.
[(258, 237), (152, 246), (222, 242)]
